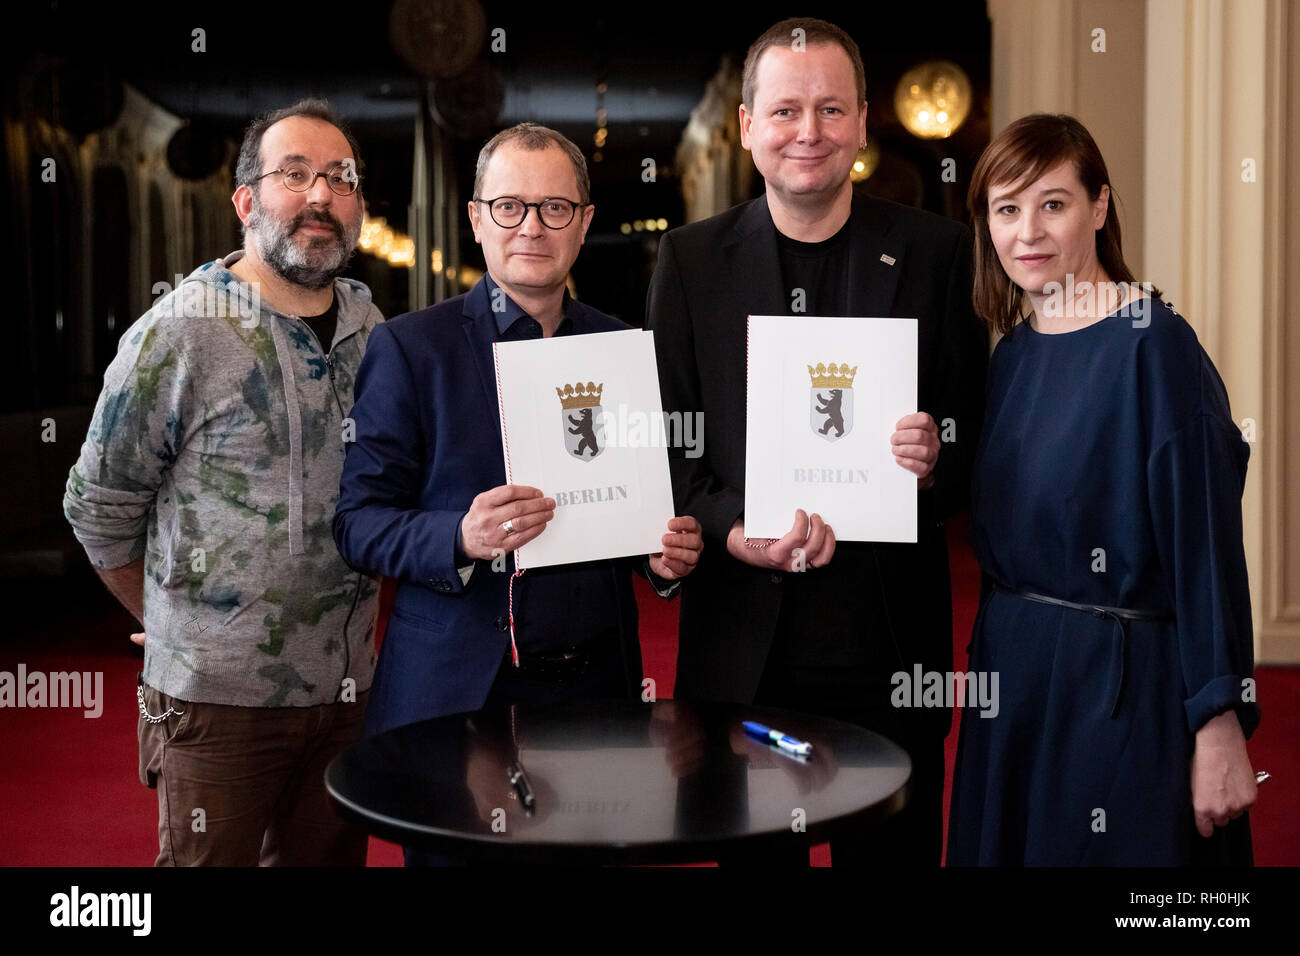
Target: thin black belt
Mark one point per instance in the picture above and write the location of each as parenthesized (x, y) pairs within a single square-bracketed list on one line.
[(1120, 615)]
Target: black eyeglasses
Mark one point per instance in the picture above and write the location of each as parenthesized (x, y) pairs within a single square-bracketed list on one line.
[(298, 177), (510, 211)]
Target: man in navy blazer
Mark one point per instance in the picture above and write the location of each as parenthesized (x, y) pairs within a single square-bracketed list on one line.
[(423, 497)]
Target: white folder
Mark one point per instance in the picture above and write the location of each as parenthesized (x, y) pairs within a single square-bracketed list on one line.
[(824, 395), (581, 419)]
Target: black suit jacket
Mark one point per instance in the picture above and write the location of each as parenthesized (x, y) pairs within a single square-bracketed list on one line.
[(709, 278)]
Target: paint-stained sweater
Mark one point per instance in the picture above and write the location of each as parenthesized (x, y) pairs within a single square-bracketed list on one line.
[(214, 454)]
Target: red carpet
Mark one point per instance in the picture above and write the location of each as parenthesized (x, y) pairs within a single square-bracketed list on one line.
[(69, 794)]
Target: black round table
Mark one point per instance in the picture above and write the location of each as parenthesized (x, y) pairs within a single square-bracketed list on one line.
[(616, 782)]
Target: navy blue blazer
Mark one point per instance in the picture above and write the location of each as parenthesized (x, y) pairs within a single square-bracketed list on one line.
[(427, 441)]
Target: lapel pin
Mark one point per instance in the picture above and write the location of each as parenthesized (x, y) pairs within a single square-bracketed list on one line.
[(887, 260)]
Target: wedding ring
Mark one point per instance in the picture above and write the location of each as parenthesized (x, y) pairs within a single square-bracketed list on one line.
[(508, 526)]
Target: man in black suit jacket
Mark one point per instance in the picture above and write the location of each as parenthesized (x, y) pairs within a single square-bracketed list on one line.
[(827, 640)]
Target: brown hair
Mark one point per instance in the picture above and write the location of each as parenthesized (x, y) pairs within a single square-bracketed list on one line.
[(814, 31), (1021, 153), (533, 137)]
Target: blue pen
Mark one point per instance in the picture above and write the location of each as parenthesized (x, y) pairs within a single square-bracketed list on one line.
[(781, 740)]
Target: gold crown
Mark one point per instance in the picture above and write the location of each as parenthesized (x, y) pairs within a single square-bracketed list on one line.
[(832, 376), (580, 397)]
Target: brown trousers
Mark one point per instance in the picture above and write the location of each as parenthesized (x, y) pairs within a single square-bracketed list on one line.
[(238, 786)]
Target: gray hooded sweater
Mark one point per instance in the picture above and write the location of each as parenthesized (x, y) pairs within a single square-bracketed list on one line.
[(215, 453)]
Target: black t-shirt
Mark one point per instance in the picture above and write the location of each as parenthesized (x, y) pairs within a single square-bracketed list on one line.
[(820, 270), (807, 637), (324, 324)]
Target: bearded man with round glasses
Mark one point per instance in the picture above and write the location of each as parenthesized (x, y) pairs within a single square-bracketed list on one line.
[(204, 496), (311, 248)]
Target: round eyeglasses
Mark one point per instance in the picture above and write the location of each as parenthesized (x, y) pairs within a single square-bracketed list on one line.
[(298, 177), (510, 211)]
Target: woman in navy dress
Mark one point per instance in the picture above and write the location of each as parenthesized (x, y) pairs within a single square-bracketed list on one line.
[(1107, 521)]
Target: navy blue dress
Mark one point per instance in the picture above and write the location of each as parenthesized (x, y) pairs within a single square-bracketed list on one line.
[(1109, 472)]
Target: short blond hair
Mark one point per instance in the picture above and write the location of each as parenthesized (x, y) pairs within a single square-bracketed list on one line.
[(814, 31)]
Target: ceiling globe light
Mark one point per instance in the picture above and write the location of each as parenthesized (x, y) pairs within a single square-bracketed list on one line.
[(933, 99)]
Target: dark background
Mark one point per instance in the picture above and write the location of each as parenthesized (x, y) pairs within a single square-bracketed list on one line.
[(77, 274), (655, 59)]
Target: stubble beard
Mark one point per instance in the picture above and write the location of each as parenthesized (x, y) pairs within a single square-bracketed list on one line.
[(313, 264)]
